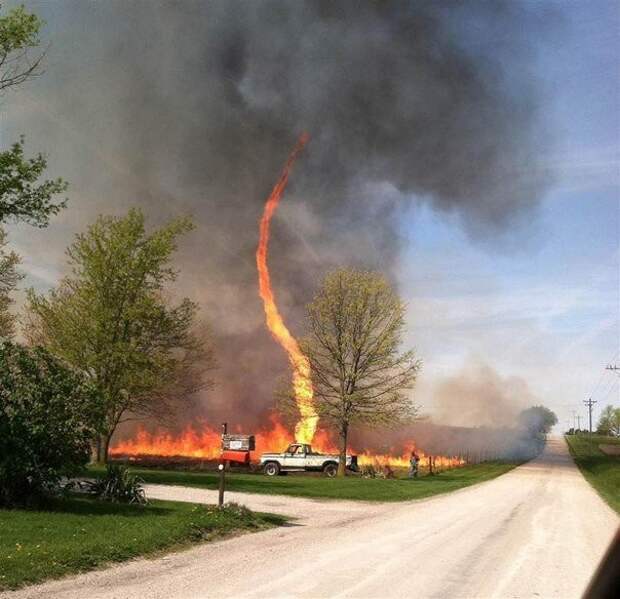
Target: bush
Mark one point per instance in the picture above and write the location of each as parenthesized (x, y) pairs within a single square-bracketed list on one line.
[(47, 421), (118, 486), (376, 470), (238, 510)]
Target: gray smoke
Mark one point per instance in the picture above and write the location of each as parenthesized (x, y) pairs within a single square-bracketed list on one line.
[(192, 107), (479, 396)]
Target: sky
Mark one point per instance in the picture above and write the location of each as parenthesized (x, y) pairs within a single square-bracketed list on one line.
[(537, 302), (546, 308)]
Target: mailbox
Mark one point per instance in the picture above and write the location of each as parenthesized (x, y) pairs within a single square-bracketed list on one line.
[(240, 457), (238, 443)]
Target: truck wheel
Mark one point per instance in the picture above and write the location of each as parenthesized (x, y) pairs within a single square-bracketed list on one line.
[(330, 470), (272, 469)]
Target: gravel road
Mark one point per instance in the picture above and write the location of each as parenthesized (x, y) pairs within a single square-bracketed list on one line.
[(538, 531)]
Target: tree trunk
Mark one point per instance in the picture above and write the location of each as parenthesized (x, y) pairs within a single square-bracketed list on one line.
[(106, 447), (342, 459), (96, 451), (100, 448)]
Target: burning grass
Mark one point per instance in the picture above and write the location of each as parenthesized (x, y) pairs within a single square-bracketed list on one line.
[(351, 487), (78, 534), (204, 442), (600, 470)]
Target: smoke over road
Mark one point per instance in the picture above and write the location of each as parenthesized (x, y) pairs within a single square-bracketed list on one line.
[(479, 396), (192, 107)]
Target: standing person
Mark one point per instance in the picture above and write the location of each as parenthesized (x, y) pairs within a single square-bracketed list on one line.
[(413, 468)]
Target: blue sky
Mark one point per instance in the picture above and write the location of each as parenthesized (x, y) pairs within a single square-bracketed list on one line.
[(544, 304)]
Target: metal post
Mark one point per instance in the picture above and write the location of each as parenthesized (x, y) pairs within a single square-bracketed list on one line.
[(221, 468)]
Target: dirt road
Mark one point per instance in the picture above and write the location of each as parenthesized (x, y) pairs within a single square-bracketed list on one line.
[(538, 531)]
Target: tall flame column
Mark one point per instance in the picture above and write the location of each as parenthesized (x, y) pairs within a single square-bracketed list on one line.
[(302, 383)]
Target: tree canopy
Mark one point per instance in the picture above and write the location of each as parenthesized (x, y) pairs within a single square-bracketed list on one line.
[(111, 319), (23, 197), (9, 277), (19, 36), (609, 421), (355, 328), (538, 419)]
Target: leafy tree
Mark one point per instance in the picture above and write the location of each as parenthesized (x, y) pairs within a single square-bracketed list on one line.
[(48, 416), (22, 196), (110, 319), (9, 277), (538, 420), (19, 36), (356, 322), (609, 422)]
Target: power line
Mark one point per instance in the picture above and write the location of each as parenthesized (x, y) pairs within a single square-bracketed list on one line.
[(604, 371)]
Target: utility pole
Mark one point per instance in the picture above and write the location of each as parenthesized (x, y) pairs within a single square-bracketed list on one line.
[(590, 403), (578, 422), (574, 419)]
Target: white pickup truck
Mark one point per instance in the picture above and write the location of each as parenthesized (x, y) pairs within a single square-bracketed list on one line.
[(299, 457)]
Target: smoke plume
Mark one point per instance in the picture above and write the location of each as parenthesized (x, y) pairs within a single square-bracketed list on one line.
[(479, 396), (192, 107)]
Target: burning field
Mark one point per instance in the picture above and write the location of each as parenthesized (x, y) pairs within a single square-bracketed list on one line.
[(205, 443)]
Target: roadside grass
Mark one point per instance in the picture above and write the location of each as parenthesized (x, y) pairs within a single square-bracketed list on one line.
[(78, 534), (600, 470), (351, 487)]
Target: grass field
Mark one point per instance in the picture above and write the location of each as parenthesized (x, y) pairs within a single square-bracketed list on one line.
[(600, 470), (76, 535), (351, 487)]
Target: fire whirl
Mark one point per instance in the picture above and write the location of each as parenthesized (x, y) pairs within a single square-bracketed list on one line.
[(302, 383)]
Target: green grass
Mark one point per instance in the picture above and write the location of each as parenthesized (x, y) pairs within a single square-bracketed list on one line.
[(78, 534), (351, 487), (600, 470)]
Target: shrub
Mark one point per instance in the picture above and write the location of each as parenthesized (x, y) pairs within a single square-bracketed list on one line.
[(376, 470), (118, 486), (238, 510), (47, 421)]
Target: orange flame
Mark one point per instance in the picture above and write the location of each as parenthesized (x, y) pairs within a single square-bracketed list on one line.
[(206, 443), (302, 383)]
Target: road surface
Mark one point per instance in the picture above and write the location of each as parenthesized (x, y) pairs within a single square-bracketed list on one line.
[(538, 531)]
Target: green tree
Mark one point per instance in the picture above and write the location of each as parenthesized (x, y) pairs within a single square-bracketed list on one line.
[(9, 277), (48, 418), (609, 422), (356, 323), (538, 420), (110, 318), (22, 196), (19, 36)]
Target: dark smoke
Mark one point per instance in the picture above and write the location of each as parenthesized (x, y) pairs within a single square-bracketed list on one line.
[(192, 107)]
